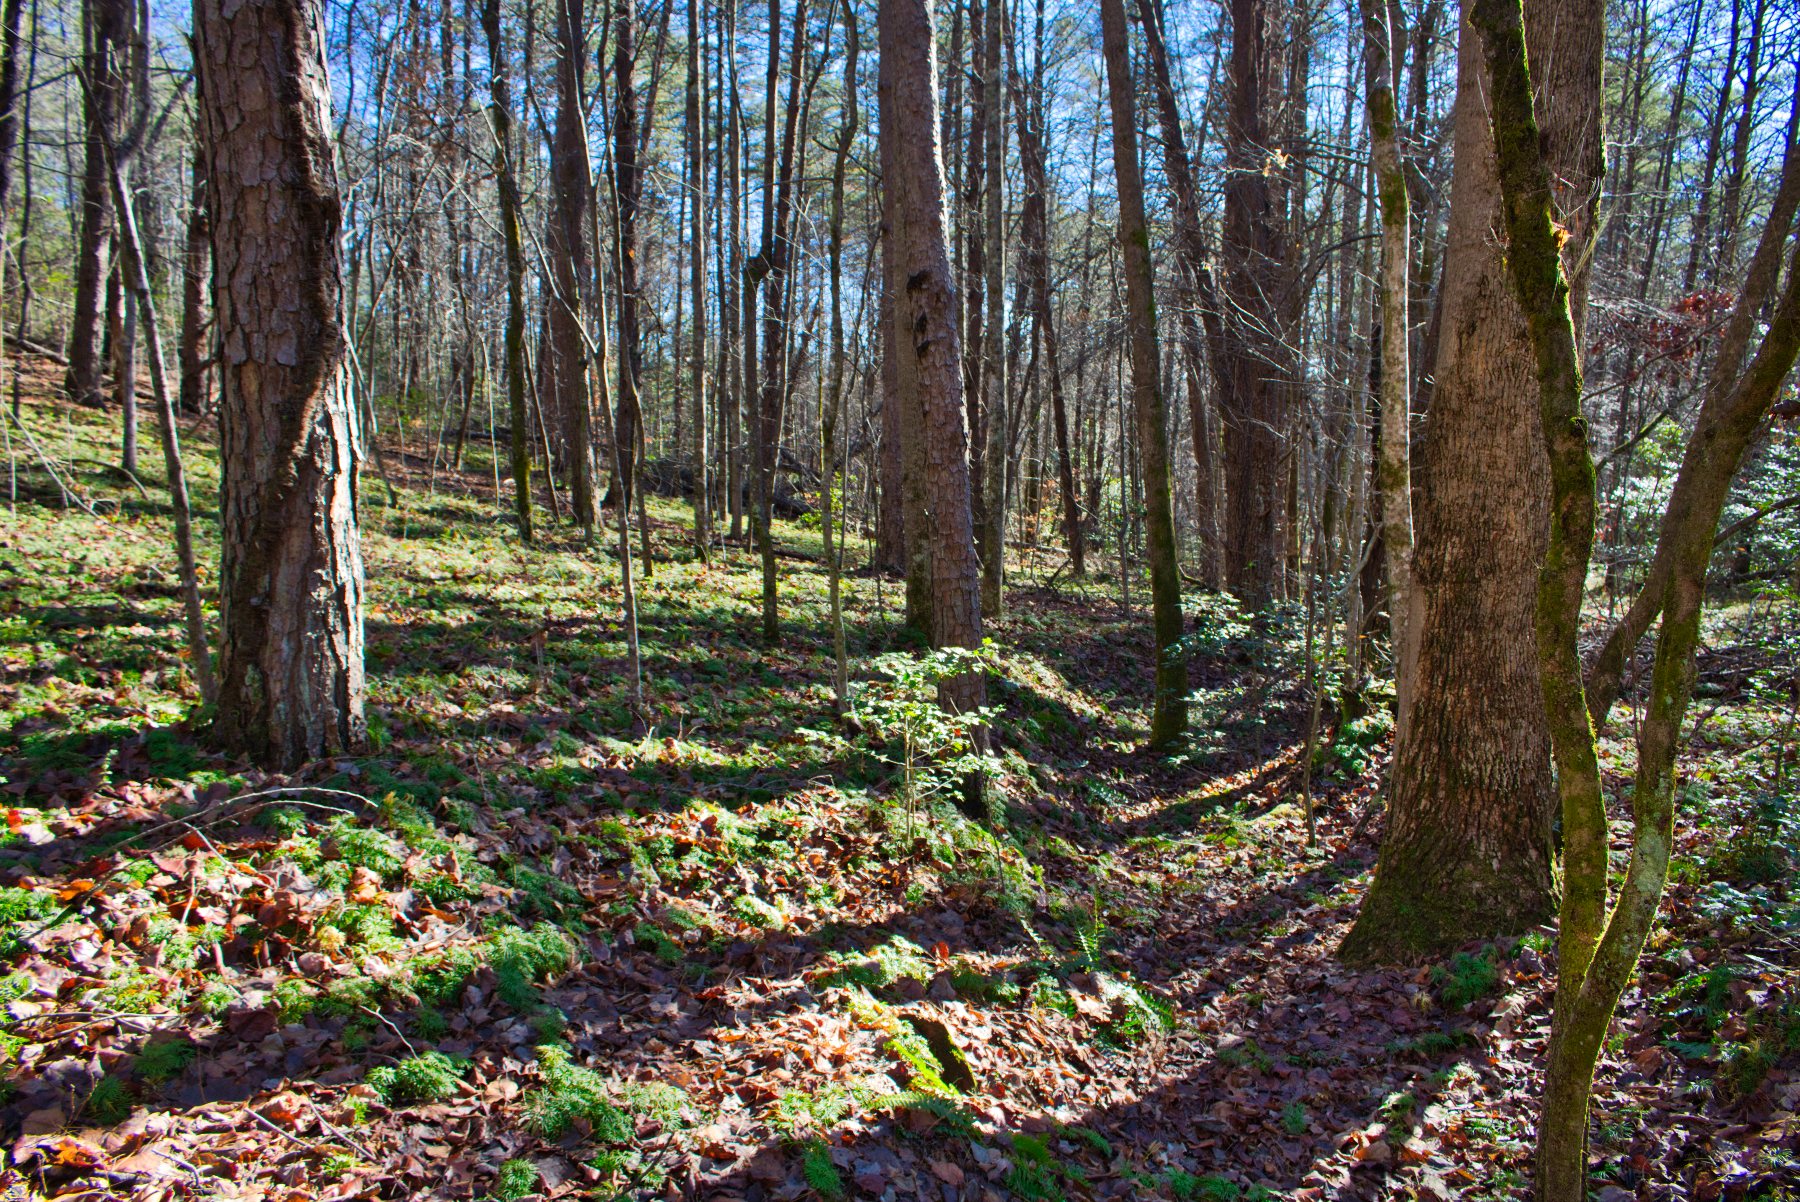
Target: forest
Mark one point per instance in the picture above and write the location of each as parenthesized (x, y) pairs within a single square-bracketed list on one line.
[(964, 600)]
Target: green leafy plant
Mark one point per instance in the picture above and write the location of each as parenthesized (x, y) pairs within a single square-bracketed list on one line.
[(936, 751)]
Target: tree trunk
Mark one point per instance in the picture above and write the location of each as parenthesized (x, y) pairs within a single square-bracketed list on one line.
[(1258, 401), (191, 355), (500, 113), (628, 195), (696, 148), (106, 26), (571, 192), (1034, 242), (993, 373), (1468, 849), (291, 652), (1169, 718), (926, 334), (1393, 470)]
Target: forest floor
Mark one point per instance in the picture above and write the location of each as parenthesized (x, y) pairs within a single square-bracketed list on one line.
[(532, 943)]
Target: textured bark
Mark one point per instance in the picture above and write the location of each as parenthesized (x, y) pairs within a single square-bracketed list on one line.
[(903, 416), (1468, 849), (1258, 400), (927, 338), (571, 194), (106, 31), (11, 18), (1169, 717), (291, 652)]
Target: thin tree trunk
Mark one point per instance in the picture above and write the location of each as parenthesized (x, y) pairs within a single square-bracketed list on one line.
[(500, 114), (1169, 717)]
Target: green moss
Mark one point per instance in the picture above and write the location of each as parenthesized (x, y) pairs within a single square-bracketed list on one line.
[(429, 1077), (165, 1058), (516, 1179)]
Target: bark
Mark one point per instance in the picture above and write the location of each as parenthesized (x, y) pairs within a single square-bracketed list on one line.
[(993, 373), (1169, 717), (191, 353), (1259, 398), (696, 139), (906, 421), (1468, 848), (834, 409), (628, 189), (106, 33), (501, 117), (1393, 471), (571, 194), (1598, 951), (291, 651), (11, 19), (926, 335)]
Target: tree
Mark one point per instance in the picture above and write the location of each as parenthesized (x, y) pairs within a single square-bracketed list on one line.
[(926, 338), (501, 119), (696, 164), (1468, 848), (569, 263), (1169, 718), (291, 647), (106, 34), (1034, 244), (1393, 468), (1260, 289)]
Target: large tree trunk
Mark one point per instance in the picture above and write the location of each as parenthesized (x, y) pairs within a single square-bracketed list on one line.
[(568, 252), (1468, 850), (926, 335), (291, 653), (1169, 718), (1258, 401), (106, 31)]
